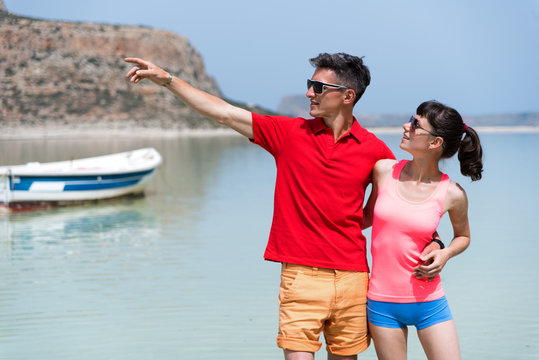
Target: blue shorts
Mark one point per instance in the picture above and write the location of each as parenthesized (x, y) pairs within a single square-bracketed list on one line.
[(400, 315)]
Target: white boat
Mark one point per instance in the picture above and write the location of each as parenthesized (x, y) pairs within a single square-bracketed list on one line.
[(96, 178)]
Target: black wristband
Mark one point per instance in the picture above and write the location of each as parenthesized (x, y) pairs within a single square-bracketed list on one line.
[(439, 242)]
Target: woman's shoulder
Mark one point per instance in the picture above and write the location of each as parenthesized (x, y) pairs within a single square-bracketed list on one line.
[(385, 164), (383, 167), (456, 190), (456, 196)]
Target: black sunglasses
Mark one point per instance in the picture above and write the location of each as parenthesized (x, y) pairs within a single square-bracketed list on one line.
[(414, 124), (319, 87)]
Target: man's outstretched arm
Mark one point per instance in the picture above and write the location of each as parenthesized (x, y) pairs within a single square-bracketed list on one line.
[(203, 103)]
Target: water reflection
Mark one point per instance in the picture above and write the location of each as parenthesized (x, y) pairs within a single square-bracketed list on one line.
[(80, 222)]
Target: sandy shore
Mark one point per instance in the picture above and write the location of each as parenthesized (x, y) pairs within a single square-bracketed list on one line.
[(22, 133)]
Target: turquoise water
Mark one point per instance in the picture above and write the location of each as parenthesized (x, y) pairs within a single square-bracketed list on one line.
[(179, 273)]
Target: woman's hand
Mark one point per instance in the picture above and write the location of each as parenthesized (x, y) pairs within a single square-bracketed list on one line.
[(432, 263)]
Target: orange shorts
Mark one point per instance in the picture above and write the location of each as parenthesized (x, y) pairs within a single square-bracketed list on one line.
[(315, 300)]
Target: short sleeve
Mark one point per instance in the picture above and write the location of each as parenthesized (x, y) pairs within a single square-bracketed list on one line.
[(385, 152), (270, 132)]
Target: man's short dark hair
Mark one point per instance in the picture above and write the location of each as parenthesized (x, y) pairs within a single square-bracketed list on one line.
[(349, 69)]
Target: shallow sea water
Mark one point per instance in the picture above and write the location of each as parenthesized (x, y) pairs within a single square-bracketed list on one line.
[(179, 273)]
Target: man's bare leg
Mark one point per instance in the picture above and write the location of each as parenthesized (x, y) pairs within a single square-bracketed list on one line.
[(298, 355)]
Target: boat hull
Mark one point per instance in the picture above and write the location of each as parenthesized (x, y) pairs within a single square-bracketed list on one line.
[(79, 180)]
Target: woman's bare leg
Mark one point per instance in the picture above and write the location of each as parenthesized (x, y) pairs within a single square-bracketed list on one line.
[(440, 341), (390, 343)]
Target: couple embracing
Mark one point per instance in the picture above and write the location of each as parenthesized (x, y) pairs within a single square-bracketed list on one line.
[(324, 166)]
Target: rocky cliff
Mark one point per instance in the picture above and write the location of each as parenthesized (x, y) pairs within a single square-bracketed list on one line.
[(72, 74)]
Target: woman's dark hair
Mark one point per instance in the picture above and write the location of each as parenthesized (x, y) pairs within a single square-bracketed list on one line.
[(349, 69), (448, 124)]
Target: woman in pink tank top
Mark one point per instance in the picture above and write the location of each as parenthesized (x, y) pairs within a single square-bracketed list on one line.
[(408, 199)]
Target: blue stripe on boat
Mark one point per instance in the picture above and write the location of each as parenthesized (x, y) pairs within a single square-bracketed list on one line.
[(84, 182)]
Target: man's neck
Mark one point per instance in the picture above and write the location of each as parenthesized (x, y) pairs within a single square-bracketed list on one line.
[(339, 124)]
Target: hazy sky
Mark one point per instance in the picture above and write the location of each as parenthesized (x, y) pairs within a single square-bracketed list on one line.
[(479, 56)]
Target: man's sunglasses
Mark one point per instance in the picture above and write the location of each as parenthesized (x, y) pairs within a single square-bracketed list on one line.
[(319, 87), (414, 124)]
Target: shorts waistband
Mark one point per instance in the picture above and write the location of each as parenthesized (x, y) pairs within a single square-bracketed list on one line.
[(313, 270)]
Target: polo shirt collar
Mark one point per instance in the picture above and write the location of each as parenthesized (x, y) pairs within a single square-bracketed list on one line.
[(318, 125)]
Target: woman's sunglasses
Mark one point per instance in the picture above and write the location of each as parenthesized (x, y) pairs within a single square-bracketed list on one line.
[(319, 87), (414, 124)]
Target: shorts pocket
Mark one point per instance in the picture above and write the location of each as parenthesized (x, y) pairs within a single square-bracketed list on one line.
[(289, 284)]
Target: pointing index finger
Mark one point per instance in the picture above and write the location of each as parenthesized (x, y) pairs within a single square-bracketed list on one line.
[(136, 61)]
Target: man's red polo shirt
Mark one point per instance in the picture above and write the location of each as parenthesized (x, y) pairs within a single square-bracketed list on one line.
[(319, 191)]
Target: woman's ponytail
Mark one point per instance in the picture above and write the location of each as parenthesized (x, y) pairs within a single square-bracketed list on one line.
[(470, 154)]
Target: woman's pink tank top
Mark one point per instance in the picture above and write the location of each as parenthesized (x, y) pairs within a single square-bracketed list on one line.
[(401, 229)]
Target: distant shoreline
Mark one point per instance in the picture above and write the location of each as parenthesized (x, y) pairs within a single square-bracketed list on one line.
[(480, 129), (29, 133)]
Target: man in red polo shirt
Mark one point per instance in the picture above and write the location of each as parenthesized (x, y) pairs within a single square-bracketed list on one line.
[(323, 168)]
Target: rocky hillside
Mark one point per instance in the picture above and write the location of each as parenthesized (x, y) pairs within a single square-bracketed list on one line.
[(72, 74)]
